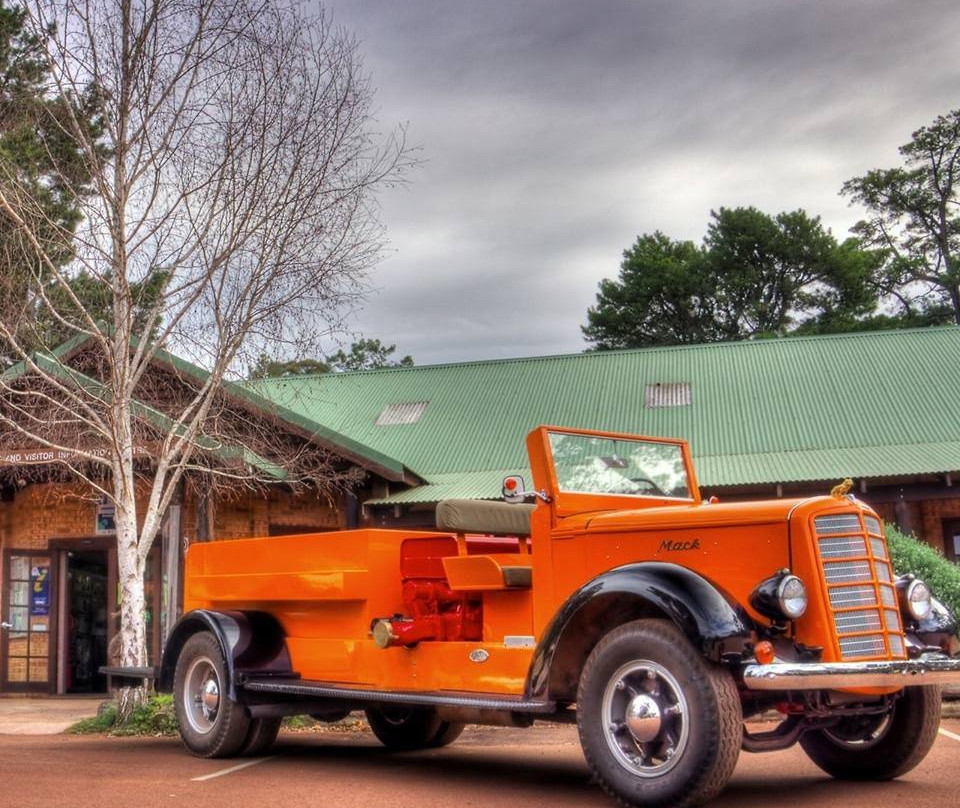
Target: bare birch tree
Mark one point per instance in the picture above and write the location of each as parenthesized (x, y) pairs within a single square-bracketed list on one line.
[(237, 169)]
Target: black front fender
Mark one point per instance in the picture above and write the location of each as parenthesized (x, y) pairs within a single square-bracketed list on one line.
[(251, 642), (711, 620)]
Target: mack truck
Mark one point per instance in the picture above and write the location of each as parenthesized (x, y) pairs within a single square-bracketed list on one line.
[(608, 594)]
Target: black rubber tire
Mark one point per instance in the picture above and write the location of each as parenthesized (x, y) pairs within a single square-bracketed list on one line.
[(231, 726), (406, 728), (713, 712), (263, 732), (911, 731), (447, 734)]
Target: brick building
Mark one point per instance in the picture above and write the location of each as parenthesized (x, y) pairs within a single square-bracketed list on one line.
[(767, 418), (58, 558)]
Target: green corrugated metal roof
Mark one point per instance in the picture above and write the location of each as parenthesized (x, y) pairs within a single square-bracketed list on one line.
[(764, 411), (455, 485)]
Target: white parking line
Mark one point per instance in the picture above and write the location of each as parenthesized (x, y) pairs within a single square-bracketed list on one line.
[(950, 734), (245, 765)]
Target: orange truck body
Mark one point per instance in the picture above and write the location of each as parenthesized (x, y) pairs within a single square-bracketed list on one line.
[(326, 589), (623, 601)]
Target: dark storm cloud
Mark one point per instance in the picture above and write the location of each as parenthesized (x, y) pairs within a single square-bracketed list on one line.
[(553, 133)]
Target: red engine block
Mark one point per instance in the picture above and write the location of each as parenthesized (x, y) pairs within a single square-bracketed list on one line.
[(433, 611)]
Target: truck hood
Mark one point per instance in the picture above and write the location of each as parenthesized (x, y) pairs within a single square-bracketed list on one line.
[(679, 517)]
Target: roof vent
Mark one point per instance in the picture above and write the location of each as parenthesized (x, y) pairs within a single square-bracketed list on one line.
[(403, 412), (671, 394)]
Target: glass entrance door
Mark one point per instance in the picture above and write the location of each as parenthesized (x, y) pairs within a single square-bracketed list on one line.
[(26, 616), (87, 621)]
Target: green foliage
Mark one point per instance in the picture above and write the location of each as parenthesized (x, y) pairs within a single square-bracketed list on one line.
[(155, 717), (95, 299), (664, 295), (300, 722), (941, 575), (913, 218), (99, 724), (40, 162), (365, 354), (273, 368), (754, 275)]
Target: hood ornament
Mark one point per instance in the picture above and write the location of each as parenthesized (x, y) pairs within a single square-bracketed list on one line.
[(840, 490)]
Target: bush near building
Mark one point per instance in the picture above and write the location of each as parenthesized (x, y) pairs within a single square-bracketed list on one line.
[(941, 575)]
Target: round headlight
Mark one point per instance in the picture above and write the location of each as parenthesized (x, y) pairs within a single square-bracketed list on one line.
[(792, 597), (917, 599)]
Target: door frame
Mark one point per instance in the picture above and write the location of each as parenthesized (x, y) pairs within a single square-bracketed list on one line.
[(5, 564), (59, 548)]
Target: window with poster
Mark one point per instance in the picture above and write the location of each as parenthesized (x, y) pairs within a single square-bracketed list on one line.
[(105, 517), (25, 648)]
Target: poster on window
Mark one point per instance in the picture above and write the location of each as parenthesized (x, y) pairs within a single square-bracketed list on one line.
[(105, 513), (39, 590)]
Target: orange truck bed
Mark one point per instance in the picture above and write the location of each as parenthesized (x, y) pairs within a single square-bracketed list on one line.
[(326, 589)]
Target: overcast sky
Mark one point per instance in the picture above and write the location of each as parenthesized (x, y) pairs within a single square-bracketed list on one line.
[(554, 132)]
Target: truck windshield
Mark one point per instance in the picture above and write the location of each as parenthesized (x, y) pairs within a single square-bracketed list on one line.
[(596, 465)]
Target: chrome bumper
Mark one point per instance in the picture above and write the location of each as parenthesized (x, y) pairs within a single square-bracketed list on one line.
[(925, 671)]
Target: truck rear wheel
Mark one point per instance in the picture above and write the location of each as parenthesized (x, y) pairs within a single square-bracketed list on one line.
[(404, 727), (659, 725), (211, 724), (263, 732), (879, 747)]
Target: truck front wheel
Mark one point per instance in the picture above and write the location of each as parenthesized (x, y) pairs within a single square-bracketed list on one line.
[(659, 725), (403, 727), (879, 747), (211, 724)]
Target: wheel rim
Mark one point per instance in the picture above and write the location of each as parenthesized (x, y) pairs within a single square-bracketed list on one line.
[(201, 695), (860, 735), (397, 715), (645, 711)]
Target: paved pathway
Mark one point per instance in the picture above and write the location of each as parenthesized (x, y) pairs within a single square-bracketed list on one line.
[(43, 716), (487, 768)]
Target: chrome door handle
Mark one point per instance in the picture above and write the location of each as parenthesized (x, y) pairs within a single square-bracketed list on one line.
[(6, 625)]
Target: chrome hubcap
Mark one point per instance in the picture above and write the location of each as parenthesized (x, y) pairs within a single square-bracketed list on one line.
[(201, 695), (645, 710), (643, 718)]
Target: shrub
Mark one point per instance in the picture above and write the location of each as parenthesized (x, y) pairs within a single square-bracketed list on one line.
[(155, 717), (941, 575)]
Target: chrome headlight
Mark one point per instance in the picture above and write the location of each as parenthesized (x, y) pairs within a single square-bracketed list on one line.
[(916, 599), (782, 596), (792, 597)]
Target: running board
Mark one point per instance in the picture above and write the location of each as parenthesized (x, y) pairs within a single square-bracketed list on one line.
[(321, 690), (128, 673)]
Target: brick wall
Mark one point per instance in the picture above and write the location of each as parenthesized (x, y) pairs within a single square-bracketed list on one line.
[(250, 514), (932, 512), (47, 511)]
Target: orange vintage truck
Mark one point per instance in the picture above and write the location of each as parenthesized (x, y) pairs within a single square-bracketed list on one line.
[(610, 595)]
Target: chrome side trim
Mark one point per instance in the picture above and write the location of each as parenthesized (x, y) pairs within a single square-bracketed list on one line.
[(926, 671)]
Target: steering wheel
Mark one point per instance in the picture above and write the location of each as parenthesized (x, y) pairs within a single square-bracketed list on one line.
[(649, 482)]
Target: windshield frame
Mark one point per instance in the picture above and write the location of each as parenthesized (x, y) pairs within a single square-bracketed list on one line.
[(570, 502)]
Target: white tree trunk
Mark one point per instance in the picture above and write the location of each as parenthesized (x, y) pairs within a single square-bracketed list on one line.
[(133, 626)]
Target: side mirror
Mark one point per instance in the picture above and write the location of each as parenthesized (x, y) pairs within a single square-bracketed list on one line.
[(513, 491)]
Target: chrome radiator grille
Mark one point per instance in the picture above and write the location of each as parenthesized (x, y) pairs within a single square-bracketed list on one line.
[(856, 569)]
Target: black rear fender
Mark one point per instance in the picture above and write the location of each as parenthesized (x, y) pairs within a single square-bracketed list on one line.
[(251, 642)]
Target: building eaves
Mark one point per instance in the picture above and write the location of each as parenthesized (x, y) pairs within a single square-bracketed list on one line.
[(343, 445), (157, 419)]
